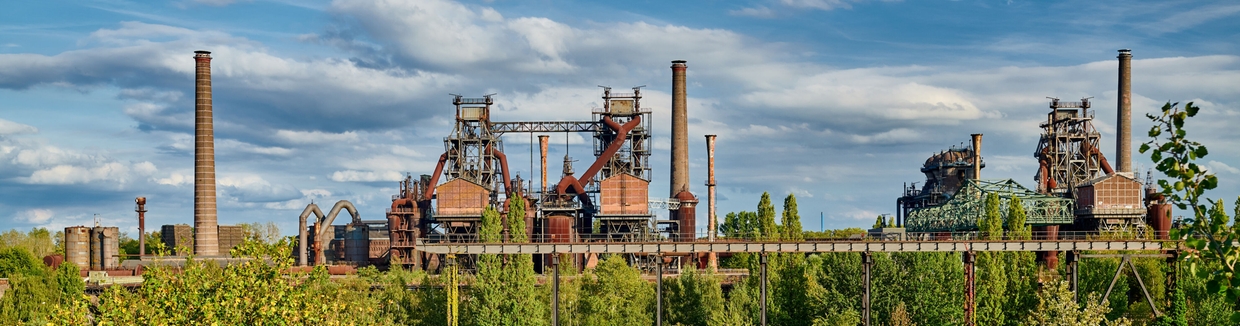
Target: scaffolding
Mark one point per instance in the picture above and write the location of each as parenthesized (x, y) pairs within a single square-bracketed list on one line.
[(1067, 153), (968, 206)]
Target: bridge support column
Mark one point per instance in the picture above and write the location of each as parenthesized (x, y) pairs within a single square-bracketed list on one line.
[(658, 303), (762, 297), (1173, 271), (555, 289), (867, 263), (1074, 273), (970, 277)]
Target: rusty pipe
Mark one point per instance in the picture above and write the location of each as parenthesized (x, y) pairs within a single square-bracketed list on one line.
[(622, 133), (542, 148), (503, 165), (318, 232), (141, 201), (430, 186), (977, 156)]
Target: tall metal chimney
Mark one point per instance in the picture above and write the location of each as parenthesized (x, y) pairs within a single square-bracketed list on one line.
[(977, 156), (710, 187), (1123, 141), (542, 150), (141, 209), (206, 226), (680, 130)]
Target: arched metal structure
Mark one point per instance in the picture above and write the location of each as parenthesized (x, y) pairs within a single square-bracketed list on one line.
[(318, 232)]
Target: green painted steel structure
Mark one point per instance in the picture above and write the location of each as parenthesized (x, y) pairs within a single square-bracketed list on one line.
[(968, 206)]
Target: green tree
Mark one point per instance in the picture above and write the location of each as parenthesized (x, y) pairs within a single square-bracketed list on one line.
[(1056, 308), (766, 219), (615, 294), (791, 220), (1021, 266), (693, 298), (992, 275), (1209, 235)]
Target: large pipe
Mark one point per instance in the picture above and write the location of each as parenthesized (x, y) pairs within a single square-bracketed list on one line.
[(680, 130), (542, 150), (503, 165), (977, 156), (206, 226), (323, 221), (1123, 141), (141, 201), (710, 187), (430, 184)]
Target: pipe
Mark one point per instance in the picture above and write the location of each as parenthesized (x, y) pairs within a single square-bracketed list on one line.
[(323, 219), (680, 130), (542, 147), (503, 165), (1102, 159), (141, 201), (622, 133), (710, 187), (206, 224), (977, 156), (430, 186), (1123, 141)]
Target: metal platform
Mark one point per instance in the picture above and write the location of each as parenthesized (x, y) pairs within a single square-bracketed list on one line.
[(805, 247)]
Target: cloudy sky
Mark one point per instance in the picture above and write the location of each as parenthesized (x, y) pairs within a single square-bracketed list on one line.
[(836, 101)]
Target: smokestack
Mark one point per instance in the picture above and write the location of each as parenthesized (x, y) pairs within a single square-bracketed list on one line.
[(1123, 141), (141, 201), (977, 156), (710, 186), (542, 150), (206, 226), (680, 130)]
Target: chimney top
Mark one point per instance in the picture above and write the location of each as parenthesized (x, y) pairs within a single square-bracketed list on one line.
[(1125, 51), (202, 52)]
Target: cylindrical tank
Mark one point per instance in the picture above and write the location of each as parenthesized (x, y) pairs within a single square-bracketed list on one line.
[(687, 216), (357, 243), (559, 229), (104, 247), (53, 261), (77, 246), (1159, 219)]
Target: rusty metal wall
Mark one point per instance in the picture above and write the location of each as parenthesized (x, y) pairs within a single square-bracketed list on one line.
[(460, 197), (378, 248), (624, 194), (1116, 192), (559, 229), (77, 246), (357, 243)]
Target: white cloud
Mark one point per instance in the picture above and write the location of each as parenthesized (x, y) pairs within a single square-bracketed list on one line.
[(36, 216), (316, 137), (365, 176), (759, 12), (71, 174), (12, 128), (1222, 167), (176, 179)]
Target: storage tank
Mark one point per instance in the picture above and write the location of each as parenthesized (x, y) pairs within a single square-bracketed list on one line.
[(357, 243), (104, 247), (77, 246), (559, 229)]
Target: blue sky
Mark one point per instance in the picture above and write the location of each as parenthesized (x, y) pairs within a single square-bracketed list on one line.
[(836, 101)]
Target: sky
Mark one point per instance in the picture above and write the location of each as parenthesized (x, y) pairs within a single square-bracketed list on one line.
[(835, 101)]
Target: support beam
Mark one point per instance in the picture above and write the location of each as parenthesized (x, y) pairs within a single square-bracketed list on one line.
[(867, 262), (689, 247), (555, 289), (1074, 273), (1118, 269), (762, 297), (970, 276), (658, 303), (1173, 271), (1148, 298)]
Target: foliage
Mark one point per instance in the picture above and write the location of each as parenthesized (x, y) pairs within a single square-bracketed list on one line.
[(615, 294), (265, 232), (1057, 308), (900, 317), (35, 293), (504, 290), (693, 298), (38, 241), (992, 275), (17, 261), (1021, 267), (1177, 315), (791, 220), (1209, 237), (767, 229)]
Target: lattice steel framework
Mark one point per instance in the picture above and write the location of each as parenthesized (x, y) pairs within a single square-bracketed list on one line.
[(968, 206), (1068, 150), (634, 157), (466, 147)]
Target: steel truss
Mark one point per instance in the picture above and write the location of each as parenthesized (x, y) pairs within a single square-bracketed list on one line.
[(968, 206)]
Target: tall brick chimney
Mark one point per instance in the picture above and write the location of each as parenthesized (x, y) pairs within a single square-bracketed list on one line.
[(1123, 141), (206, 226)]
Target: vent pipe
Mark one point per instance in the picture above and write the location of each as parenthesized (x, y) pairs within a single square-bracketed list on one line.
[(542, 150), (206, 226), (141, 209), (710, 187), (1123, 141), (977, 156)]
